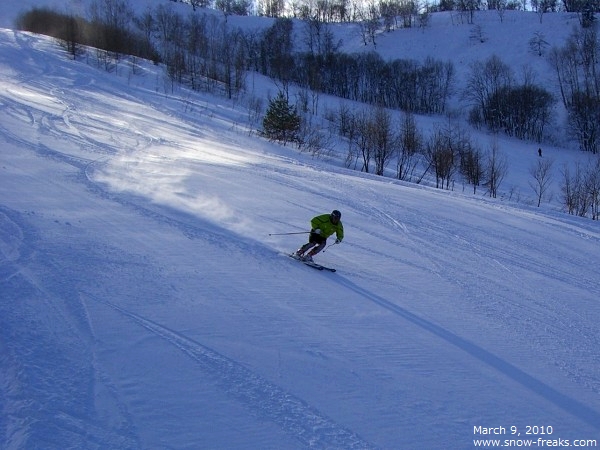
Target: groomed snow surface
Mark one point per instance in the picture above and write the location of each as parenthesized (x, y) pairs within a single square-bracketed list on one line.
[(144, 304)]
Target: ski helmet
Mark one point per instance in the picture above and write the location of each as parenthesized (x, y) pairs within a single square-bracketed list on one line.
[(335, 215)]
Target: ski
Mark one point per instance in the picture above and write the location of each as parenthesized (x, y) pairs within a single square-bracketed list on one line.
[(314, 265), (318, 266)]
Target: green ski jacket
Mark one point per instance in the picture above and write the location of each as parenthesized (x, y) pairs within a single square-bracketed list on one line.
[(327, 228)]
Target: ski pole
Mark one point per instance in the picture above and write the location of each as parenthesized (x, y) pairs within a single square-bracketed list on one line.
[(336, 242), (284, 234)]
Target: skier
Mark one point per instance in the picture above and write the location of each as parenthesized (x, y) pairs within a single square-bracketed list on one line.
[(322, 227)]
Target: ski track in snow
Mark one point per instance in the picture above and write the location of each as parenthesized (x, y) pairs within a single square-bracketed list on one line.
[(571, 406), (568, 404), (264, 398), (401, 245), (48, 404)]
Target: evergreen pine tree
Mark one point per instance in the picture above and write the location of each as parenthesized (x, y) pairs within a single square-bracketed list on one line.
[(281, 122)]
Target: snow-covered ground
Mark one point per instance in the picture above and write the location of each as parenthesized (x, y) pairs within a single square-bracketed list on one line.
[(145, 305)]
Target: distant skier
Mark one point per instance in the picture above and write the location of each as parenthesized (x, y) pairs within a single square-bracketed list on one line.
[(540, 152), (322, 226)]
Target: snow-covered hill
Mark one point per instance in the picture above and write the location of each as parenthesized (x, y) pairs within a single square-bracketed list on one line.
[(144, 303)]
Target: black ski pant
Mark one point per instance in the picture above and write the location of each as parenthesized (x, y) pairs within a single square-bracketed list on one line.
[(314, 240)]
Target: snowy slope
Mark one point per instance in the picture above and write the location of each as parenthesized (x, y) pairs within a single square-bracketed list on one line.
[(144, 304)]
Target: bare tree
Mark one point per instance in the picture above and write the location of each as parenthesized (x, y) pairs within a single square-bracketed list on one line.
[(440, 157), (592, 186), (371, 138), (345, 122), (501, 8), (313, 139), (388, 10), (468, 8), (574, 195), (276, 52), (255, 112), (410, 146), (577, 67), (584, 120), (541, 171), (383, 139), (361, 140), (369, 23), (113, 19), (471, 166), (496, 169), (71, 35), (408, 10), (271, 8), (484, 84)]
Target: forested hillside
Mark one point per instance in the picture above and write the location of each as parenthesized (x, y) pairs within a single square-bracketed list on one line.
[(363, 84)]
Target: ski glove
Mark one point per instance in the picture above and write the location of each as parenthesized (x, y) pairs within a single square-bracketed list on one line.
[(338, 241)]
